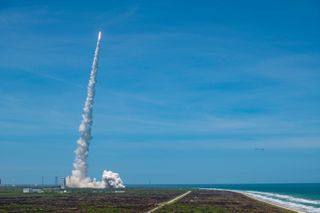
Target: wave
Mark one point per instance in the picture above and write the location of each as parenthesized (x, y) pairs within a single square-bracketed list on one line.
[(296, 203), (299, 204), (291, 198)]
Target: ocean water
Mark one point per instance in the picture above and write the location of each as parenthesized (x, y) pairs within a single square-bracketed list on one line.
[(303, 197)]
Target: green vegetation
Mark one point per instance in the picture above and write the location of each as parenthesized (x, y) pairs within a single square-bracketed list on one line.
[(12, 199), (189, 208), (210, 201), (84, 200)]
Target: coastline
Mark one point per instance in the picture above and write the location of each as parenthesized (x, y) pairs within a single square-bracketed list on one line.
[(254, 198), (270, 203)]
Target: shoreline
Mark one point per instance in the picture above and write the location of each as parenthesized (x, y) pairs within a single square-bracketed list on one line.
[(257, 199), (270, 203)]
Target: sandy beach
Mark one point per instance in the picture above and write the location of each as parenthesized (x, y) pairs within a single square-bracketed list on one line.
[(261, 200)]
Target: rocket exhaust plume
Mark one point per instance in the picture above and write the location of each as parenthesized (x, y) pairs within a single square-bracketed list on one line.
[(79, 178)]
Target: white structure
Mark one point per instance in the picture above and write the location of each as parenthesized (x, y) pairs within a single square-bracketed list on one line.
[(27, 190), (30, 190), (63, 183)]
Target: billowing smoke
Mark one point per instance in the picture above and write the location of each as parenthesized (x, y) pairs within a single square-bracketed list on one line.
[(79, 178)]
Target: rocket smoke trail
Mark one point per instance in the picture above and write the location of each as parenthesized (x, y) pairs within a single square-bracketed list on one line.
[(79, 178)]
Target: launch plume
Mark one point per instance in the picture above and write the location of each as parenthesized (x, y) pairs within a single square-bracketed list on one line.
[(79, 178)]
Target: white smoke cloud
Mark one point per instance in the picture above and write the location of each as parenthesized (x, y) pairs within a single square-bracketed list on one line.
[(79, 178), (109, 179)]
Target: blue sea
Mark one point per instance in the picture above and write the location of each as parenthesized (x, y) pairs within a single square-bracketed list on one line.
[(303, 197)]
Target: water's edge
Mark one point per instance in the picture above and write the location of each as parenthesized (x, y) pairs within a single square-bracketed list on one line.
[(267, 198)]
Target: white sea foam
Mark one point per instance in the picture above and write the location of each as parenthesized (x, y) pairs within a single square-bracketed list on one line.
[(287, 197), (299, 204), (296, 203)]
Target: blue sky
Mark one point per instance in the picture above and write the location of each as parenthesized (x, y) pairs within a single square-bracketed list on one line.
[(188, 91)]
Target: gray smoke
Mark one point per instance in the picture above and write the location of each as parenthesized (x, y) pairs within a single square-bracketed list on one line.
[(79, 178)]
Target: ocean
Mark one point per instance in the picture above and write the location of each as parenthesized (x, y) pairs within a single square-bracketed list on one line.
[(303, 197)]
